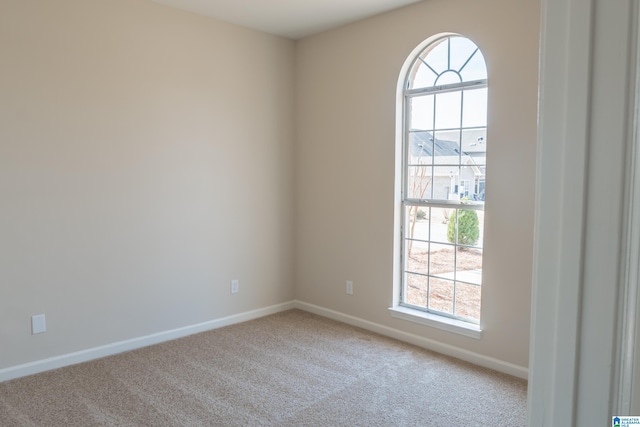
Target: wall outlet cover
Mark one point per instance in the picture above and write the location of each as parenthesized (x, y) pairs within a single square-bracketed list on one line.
[(38, 324)]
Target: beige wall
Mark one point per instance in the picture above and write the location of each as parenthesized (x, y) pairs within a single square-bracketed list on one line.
[(146, 159), (346, 107)]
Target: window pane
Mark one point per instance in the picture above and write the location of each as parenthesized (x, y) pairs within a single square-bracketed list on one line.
[(442, 182), (469, 265), (421, 112), (421, 76), (419, 182), (474, 112), (438, 56), (416, 289), (441, 295), (447, 148), (445, 182), (465, 228), (448, 110), (417, 256), (474, 145), (442, 260), (439, 223), (461, 50), (475, 69), (420, 148), (418, 229), (468, 301)]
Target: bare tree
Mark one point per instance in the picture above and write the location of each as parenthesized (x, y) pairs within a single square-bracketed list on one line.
[(420, 181)]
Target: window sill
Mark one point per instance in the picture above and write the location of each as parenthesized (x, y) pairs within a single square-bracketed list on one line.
[(435, 321)]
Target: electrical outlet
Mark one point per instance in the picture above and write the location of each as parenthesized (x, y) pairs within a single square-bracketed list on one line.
[(38, 324), (235, 286), (349, 287)]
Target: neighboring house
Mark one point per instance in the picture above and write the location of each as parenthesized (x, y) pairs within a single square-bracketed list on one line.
[(437, 164)]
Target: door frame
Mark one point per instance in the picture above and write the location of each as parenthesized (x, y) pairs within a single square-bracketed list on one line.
[(585, 286)]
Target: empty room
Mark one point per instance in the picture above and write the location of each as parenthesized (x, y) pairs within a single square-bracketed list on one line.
[(352, 212)]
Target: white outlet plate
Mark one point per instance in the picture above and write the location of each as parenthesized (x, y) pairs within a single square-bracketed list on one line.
[(38, 324), (349, 287), (235, 286)]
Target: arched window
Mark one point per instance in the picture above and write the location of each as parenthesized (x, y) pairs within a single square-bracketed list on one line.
[(443, 189)]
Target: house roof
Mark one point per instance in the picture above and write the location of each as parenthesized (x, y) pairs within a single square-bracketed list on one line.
[(422, 143)]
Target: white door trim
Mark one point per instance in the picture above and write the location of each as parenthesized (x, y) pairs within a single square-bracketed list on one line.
[(587, 220), (563, 139), (625, 384)]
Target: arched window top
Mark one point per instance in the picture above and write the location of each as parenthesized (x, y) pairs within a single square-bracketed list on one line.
[(450, 60)]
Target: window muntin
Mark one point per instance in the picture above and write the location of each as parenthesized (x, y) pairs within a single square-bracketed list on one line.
[(444, 168), (450, 60)]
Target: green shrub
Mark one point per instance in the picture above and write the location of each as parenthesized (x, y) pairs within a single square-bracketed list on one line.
[(421, 214), (468, 227)]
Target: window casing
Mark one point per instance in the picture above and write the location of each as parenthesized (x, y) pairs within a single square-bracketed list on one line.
[(443, 188)]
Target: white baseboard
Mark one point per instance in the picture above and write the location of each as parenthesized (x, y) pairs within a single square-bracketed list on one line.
[(429, 344), (135, 343)]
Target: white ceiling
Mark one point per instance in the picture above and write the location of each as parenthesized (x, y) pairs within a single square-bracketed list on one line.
[(289, 18)]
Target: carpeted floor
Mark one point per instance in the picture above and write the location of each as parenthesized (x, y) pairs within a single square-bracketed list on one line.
[(289, 369)]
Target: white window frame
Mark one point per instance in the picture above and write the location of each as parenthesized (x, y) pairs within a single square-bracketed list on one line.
[(400, 308)]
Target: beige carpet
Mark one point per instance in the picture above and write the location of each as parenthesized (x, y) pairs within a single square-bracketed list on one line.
[(289, 369)]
